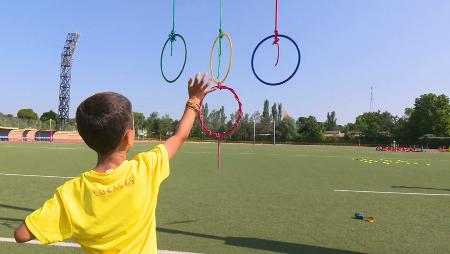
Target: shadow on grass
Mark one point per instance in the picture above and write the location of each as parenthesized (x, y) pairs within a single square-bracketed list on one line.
[(416, 187), (262, 244), (10, 223), (17, 208), (11, 219), (179, 222)]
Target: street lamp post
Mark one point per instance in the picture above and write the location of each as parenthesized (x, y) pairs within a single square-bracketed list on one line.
[(274, 131), (254, 131), (51, 133)]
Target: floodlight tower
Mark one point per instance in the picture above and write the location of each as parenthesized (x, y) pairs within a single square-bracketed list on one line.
[(65, 76)]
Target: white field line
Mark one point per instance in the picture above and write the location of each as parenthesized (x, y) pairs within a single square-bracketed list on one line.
[(11, 240), (43, 176), (74, 245), (397, 193)]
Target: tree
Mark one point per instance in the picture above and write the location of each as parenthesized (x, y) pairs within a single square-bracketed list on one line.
[(265, 120), (256, 119), (240, 132), (139, 120), (166, 126), (280, 111), (49, 115), (196, 129), (375, 125), (286, 130), (331, 121), (310, 129), (275, 112), (27, 113), (205, 113), (217, 120), (5, 115), (265, 113), (245, 131), (152, 124), (430, 115)]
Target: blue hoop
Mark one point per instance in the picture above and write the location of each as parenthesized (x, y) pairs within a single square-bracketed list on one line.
[(296, 68)]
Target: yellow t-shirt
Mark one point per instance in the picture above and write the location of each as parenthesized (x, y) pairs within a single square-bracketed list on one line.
[(106, 212)]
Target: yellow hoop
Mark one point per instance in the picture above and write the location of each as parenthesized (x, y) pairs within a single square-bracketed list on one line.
[(212, 56)]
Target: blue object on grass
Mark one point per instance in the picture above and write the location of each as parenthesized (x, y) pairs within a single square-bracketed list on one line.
[(359, 215)]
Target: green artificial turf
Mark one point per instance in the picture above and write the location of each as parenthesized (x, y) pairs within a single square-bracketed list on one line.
[(264, 199)]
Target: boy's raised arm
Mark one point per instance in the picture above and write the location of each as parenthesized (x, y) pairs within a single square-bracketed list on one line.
[(197, 89)]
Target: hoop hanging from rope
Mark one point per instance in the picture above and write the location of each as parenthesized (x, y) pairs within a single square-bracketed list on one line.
[(219, 86), (214, 79), (172, 38), (292, 74), (276, 41), (221, 135)]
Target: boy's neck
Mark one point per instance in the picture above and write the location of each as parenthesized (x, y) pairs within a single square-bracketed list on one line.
[(110, 161)]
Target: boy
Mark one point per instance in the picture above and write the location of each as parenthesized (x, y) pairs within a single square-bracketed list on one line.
[(111, 209)]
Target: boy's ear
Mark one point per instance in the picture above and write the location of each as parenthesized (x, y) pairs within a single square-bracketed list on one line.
[(129, 138)]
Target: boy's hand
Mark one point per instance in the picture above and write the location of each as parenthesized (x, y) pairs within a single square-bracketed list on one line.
[(198, 88)]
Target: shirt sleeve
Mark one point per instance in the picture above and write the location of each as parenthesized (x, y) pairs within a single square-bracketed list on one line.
[(51, 222), (156, 162)]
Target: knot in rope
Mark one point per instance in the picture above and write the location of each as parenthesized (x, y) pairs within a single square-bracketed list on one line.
[(275, 42), (172, 36), (276, 39)]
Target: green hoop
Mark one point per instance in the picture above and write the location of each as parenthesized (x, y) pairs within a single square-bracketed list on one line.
[(171, 39)]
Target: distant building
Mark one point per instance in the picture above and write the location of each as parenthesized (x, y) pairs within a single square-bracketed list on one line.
[(142, 133), (356, 134), (334, 134)]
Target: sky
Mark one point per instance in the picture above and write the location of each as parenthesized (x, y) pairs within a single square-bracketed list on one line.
[(401, 48)]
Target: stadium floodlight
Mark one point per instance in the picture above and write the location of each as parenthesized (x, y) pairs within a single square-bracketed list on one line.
[(65, 77)]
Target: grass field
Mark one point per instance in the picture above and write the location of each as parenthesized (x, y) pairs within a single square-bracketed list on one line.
[(264, 199)]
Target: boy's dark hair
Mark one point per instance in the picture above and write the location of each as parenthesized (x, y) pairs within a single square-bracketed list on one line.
[(103, 119)]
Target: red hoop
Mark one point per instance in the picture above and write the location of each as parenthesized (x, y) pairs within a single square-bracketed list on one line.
[(220, 135)]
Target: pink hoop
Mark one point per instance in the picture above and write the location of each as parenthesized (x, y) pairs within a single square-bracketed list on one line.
[(220, 135)]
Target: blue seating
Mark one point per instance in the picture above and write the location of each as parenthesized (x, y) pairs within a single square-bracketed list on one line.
[(42, 138)]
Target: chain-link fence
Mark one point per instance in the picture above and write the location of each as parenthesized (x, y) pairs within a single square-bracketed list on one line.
[(20, 123)]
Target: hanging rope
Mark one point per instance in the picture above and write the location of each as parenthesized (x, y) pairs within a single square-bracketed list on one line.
[(215, 78), (276, 39), (220, 135), (220, 40), (172, 36)]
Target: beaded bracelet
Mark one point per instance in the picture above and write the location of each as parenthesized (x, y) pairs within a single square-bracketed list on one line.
[(191, 104)]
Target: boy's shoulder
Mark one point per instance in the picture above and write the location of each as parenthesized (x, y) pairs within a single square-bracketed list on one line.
[(71, 184)]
